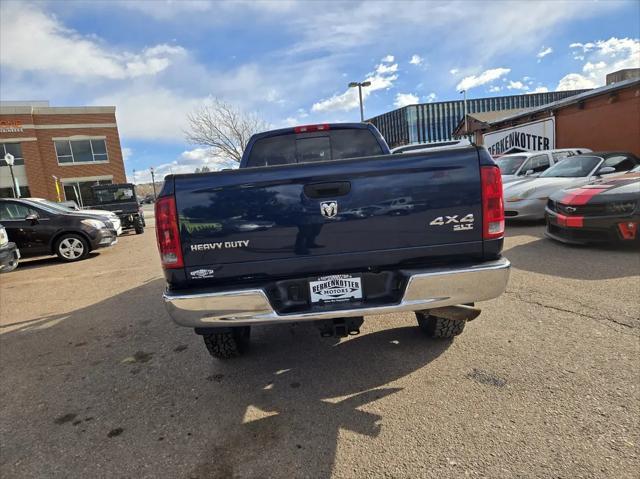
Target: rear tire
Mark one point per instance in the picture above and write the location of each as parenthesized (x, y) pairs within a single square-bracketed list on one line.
[(138, 226), (71, 247), (436, 327), (229, 343)]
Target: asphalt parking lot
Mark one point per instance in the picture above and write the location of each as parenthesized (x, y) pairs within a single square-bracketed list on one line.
[(95, 381)]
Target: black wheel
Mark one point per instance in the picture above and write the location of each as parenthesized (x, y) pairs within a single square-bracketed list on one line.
[(229, 343), (71, 247), (138, 225), (436, 327)]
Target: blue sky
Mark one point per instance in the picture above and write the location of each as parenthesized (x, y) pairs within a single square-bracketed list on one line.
[(290, 61)]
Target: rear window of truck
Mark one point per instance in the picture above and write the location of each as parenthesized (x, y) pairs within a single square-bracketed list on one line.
[(313, 147)]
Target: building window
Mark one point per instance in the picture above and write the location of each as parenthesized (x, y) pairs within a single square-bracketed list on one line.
[(81, 151), (15, 149), (8, 192), (80, 191)]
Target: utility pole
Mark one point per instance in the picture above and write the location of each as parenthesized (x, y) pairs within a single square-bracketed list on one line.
[(153, 180), (10, 159), (354, 84), (466, 123), (134, 176)]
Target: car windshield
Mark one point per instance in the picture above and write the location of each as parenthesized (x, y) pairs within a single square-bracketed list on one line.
[(574, 167), (509, 164), (113, 195)]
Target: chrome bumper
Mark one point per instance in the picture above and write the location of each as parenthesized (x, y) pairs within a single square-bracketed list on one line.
[(427, 289)]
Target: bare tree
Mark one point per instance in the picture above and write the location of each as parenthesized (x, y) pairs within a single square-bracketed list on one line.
[(224, 128)]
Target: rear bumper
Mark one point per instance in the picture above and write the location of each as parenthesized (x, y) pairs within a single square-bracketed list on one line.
[(426, 289)]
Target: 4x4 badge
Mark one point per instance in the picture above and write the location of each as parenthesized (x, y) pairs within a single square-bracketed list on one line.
[(329, 209)]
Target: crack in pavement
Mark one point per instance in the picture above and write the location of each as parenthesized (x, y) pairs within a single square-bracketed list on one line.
[(602, 317)]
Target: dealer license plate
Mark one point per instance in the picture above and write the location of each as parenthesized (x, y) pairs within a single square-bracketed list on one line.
[(336, 288)]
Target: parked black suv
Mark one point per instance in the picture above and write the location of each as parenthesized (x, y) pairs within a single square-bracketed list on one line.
[(122, 200), (39, 230)]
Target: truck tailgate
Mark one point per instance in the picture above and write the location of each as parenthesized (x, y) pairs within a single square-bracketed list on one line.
[(330, 216)]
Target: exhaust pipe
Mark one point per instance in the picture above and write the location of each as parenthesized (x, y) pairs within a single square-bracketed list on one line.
[(460, 312)]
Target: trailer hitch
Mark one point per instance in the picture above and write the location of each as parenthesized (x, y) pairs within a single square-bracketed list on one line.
[(340, 327)]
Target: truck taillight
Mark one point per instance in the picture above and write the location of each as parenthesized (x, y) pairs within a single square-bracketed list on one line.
[(167, 233), (310, 128), (492, 205)]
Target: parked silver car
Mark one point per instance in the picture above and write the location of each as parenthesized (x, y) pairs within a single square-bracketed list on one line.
[(517, 166), (526, 199)]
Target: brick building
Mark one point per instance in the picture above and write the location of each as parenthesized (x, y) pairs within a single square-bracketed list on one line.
[(78, 146), (606, 118)]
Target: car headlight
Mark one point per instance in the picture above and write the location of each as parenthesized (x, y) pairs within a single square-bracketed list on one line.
[(94, 224), (4, 239)]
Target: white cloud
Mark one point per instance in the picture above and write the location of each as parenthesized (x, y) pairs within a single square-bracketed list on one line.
[(431, 97), (187, 162), (495, 89), (540, 89), (575, 81), (454, 71), (416, 60), (603, 56), (543, 53), (31, 40), (126, 153), (483, 78), (381, 79), (404, 99), (517, 85), (388, 59), (151, 113), (384, 69)]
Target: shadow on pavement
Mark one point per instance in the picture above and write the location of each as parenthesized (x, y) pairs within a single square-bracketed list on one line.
[(550, 257), (524, 227), (43, 261), (117, 385)]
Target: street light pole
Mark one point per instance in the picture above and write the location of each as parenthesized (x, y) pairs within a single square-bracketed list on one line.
[(466, 124), (134, 176), (354, 84), (153, 180), (9, 158)]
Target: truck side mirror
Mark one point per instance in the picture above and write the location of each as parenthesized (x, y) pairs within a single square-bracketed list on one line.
[(529, 172)]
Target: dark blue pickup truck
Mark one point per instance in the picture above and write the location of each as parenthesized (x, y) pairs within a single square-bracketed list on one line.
[(322, 223)]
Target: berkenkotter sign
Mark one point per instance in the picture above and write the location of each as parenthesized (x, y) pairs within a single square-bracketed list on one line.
[(534, 136)]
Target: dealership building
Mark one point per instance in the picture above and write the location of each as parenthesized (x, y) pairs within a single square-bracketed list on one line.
[(602, 119), (433, 122), (59, 152)]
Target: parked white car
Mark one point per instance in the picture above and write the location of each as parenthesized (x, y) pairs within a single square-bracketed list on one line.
[(110, 215), (517, 166)]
